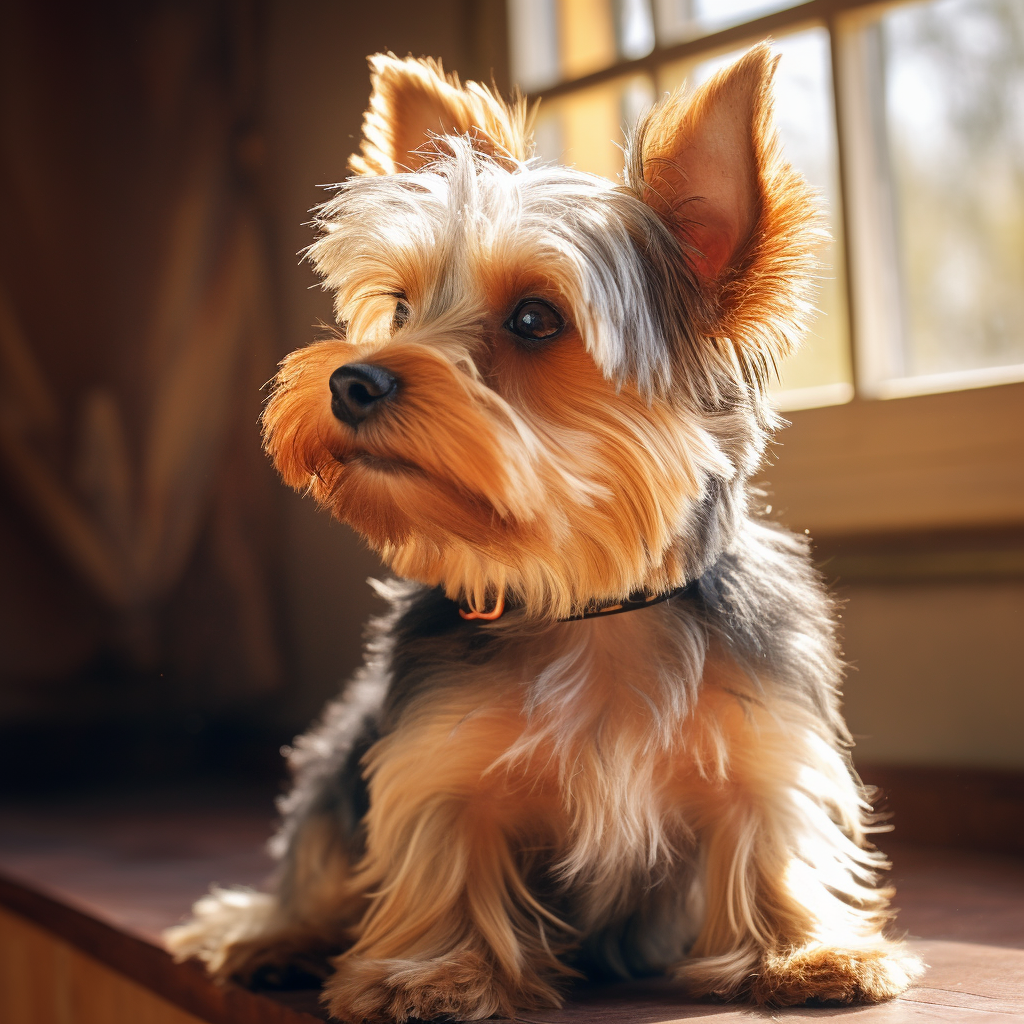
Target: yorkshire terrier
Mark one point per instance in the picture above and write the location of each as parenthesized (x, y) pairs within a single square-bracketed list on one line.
[(599, 730)]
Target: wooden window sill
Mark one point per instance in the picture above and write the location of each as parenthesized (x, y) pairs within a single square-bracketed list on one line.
[(928, 462)]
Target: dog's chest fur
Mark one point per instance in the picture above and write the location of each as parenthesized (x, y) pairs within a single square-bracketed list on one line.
[(598, 748), (595, 736)]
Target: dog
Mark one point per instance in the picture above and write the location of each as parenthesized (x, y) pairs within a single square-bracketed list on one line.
[(599, 731)]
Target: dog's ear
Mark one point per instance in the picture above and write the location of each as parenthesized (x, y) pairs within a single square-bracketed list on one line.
[(749, 225), (414, 104)]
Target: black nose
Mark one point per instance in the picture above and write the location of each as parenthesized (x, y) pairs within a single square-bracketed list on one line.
[(358, 389)]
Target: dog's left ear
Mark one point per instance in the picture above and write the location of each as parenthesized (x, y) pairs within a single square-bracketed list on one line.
[(414, 104), (749, 226)]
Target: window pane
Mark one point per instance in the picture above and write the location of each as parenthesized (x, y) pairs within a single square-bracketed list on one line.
[(533, 43), (586, 128), (954, 112), (635, 28), (556, 40), (687, 19), (805, 114), (586, 36)]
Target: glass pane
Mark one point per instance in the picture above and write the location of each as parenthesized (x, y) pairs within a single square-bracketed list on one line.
[(687, 19), (586, 129), (954, 111), (634, 23), (805, 114), (533, 43), (586, 36), (556, 40)]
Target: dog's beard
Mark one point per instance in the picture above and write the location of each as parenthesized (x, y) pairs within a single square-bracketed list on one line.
[(555, 488)]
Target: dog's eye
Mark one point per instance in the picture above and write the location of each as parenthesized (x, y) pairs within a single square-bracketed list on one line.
[(535, 321), (401, 315)]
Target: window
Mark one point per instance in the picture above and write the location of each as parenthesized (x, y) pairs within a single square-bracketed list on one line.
[(948, 113), (931, 96)]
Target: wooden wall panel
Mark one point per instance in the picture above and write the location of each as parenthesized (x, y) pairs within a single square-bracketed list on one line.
[(44, 980)]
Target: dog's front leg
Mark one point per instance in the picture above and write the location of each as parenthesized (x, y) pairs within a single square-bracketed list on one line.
[(451, 929), (792, 907)]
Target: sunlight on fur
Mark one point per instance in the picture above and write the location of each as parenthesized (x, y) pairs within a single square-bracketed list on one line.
[(546, 396)]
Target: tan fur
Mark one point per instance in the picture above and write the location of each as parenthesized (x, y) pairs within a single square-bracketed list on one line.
[(790, 976), (452, 927), (592, 773), (711, 166), (779, 877), (459, 487), (414, 101), (451, 922), (237, 932)]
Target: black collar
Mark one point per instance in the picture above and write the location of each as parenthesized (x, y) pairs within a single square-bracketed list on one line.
[(639, 599), (594, 610)]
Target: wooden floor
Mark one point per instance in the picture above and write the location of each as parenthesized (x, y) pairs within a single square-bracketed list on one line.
[(100, 879)]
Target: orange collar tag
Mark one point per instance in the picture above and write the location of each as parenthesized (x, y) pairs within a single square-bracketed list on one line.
[(495, 613)]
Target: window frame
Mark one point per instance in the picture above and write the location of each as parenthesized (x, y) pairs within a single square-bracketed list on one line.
[(893, 454)]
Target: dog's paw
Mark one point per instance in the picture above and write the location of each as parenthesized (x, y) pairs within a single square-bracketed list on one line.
[(461, 986), (867, 975), (237, 933), (223, 923)]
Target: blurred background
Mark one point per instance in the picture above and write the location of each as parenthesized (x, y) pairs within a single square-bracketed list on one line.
[(168, 611)]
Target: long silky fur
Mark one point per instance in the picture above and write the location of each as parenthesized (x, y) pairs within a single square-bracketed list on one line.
[(490, 808)]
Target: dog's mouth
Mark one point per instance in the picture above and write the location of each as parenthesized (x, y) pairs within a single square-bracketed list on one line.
[(387, 483), (387, 464)]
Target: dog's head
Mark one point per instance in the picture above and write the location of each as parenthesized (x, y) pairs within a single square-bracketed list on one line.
[(545, 383)]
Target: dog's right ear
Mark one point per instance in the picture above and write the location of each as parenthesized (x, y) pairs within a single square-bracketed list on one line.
[(748, 225), (414, 103)]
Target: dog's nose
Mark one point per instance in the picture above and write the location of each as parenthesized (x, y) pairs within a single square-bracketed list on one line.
[(358, 389)]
